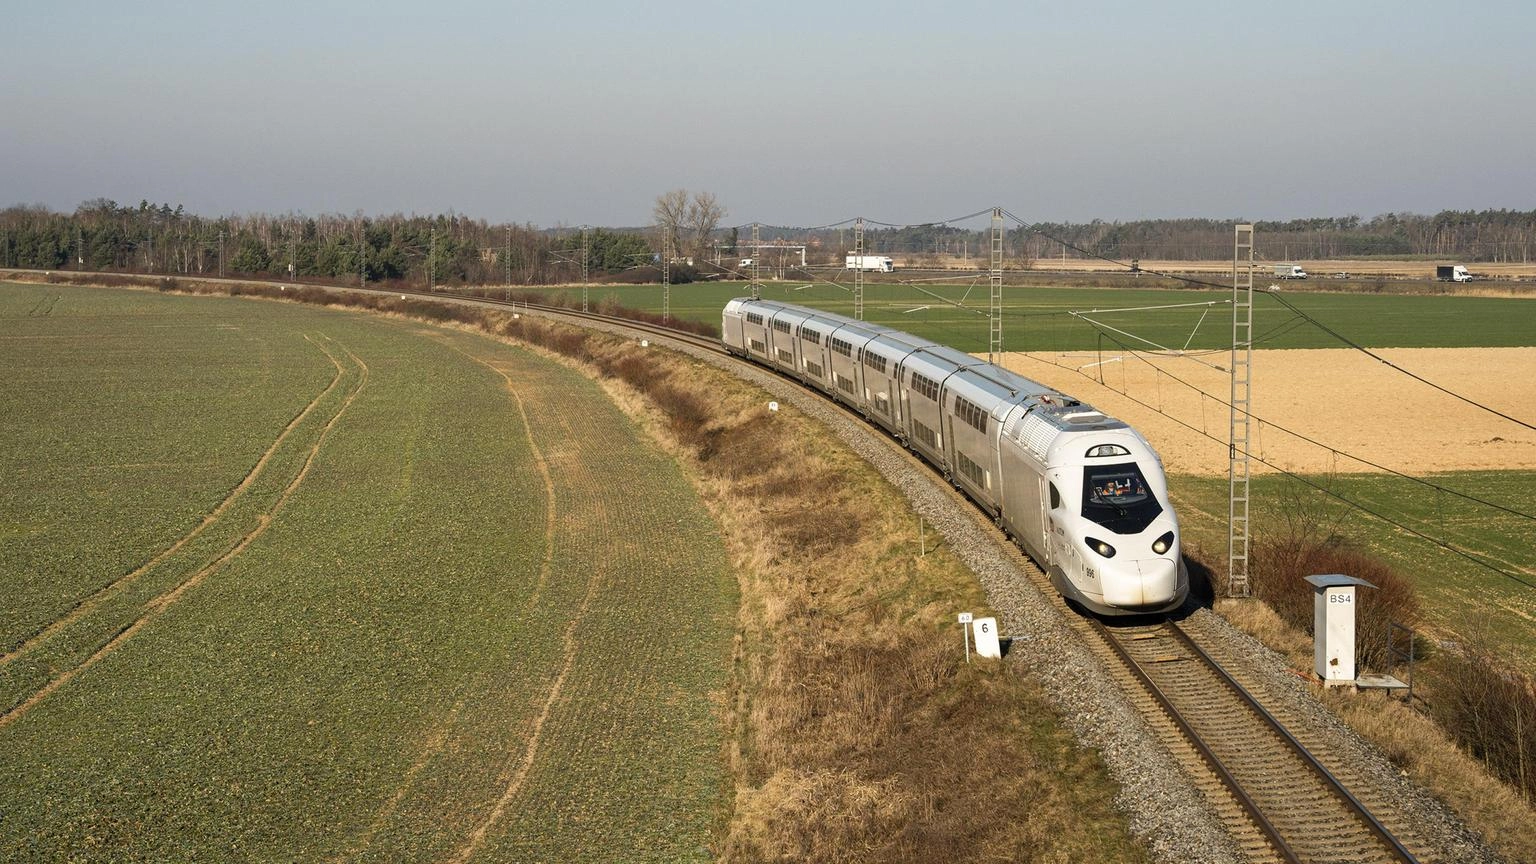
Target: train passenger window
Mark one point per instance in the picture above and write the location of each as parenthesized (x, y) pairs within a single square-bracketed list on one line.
[(1055, 497)]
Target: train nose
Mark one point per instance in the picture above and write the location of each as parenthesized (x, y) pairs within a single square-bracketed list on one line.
[(1149, 582)]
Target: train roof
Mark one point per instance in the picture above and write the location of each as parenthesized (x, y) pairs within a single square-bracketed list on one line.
[(1051, 406)]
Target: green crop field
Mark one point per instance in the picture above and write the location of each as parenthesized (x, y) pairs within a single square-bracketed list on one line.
[(1456, 592), (1040, 319), (1459, 595), (285, 582)]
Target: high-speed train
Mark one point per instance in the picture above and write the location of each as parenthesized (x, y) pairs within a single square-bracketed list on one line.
[(1082, 493)]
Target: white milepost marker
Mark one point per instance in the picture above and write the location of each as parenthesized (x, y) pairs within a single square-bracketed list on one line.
[(986, 638), (965, 633), (773, 406)]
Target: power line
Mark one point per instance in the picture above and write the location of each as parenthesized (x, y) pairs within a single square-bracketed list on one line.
[(1360, 459), (1329, 492), (1296, 311), (1380, 359)]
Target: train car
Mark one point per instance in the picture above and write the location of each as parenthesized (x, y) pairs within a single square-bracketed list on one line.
[(845, 361), (783, 345), (1082, 493), (977, 401), (882, 379), (923, 373)]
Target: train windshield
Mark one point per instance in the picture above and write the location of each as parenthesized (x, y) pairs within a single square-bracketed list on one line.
[(1118, 497)]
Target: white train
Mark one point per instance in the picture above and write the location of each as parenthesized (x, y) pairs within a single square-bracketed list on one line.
[(1082, 493)]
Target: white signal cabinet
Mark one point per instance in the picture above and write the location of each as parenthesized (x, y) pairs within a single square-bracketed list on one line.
[(1334, 601)]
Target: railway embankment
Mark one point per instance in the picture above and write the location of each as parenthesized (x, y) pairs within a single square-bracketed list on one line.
[(1162, 807)]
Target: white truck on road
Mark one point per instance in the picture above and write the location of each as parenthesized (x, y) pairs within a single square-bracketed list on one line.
[(1289, 271), (1452, 273), (877, 263)]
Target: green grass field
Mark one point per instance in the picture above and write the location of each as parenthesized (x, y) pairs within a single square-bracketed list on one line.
[(1459, 596), (1038, 319), (293, 583), (1457, 593)]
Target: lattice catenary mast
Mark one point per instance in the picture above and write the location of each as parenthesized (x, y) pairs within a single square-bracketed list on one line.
[(995, 302), (1238, 464), (858, 270), (757, 255), (586, 273), (666, 273)]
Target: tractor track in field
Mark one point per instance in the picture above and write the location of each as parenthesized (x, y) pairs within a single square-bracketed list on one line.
[(441, 731), (155, 607), (89, 604), (1310, 831), (540, 463), (569, 647)]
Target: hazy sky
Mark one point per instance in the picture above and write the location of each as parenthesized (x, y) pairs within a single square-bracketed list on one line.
[(792, 113)]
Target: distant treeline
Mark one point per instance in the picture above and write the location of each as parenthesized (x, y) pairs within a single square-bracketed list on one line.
[(103, 235), (1488, 235), (455, 249)]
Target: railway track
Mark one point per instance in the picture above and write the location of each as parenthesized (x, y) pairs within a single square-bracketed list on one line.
[(1282, 802), (1279, 801)]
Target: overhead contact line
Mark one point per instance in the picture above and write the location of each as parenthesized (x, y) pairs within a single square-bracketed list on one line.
[(1329, 492), (1380, 359)]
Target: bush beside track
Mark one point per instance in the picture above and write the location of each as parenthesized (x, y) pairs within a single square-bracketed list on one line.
[(857, 729)]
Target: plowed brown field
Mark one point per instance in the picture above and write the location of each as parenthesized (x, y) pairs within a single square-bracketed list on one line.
[(1339, 397)]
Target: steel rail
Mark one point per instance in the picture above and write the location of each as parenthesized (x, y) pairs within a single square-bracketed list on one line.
[(1333, 784), (1193, 738), (1271, 833)]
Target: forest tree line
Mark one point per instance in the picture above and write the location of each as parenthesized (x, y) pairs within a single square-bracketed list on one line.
[(1488, 235), (456, 249), (447, 248)]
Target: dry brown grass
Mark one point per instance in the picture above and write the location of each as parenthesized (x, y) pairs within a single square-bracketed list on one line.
[(861, 733), (856, 730), (1428, 756), (1419, 743)]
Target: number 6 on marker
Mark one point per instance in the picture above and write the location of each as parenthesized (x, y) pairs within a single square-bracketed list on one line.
[(986, 638)]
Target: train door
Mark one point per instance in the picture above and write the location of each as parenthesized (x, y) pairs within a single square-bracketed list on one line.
[(947, 428), (1047, 496), (1057, 546)]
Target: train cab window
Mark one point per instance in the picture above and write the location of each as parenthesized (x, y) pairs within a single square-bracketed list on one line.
[(1055, 497), (1118, 498)]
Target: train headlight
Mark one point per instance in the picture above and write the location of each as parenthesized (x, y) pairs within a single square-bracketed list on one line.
[(1163, 543), (1100, 547)]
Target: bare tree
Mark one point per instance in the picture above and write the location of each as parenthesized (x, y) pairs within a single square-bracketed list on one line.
[(704, 215), (671, 212)]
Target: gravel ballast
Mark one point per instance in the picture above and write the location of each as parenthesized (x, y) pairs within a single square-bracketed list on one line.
[(1163, 807)]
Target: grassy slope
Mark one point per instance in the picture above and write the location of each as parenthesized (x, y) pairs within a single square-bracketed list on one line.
[(1034, 319), (365, 677), (1448, 584)]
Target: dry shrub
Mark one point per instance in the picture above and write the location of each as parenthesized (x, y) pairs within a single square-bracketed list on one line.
[(639, 371), (860, 732), (572, 343), (747, 448), (1279, 570), (688, 413), (1489, 709)]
